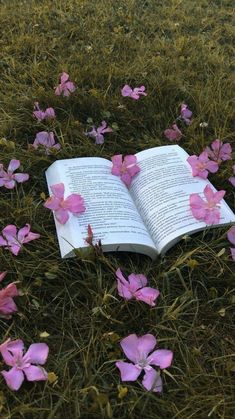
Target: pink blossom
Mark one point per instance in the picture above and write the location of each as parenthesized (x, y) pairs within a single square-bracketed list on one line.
[(185, 114), (66, 87), (137, 350), (209, 210), (9, 178), (7, 304), (231, 238), (219, 151), (74, 203), (40, 115), (133, 93), (126, 169), (23, 365), (135, 287), (98, 134), (173, 133), (13, 240), (47, 140), (201, 165), (232, 178)]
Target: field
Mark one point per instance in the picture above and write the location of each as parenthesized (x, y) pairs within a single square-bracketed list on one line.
[(182, 51)]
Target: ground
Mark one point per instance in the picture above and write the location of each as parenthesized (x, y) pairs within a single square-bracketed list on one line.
[(181, 51)]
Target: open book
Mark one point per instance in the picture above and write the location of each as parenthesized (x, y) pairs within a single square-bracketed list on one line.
[(149, 218)]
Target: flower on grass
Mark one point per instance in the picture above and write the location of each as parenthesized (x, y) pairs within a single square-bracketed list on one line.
[(232, 178), (135, 287), (185, 114), (201, 165), (173, 133), (231, 238), (9, 178), (219, 151), (98, 134), (126, 169), (40, 115), (66, 87), (208, 210), (133, 93), (22, 365), (47, 140), (7, 304), (61, 207), (137, 350), (13, 240)]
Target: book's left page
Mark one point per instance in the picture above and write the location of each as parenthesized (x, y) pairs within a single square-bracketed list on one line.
[(110, 209)]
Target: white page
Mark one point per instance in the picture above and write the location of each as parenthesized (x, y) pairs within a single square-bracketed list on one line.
[(161, 193), (109, 207)]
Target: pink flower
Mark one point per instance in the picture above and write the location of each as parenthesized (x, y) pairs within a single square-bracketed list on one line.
[(13, 241), (137, 349), (74, 203), (41, 115), (232, 178), (22, 364), (66, 87), (209, 210), (173, 133), (219, 151), (98, 134), (126, 169), (185, 114), (47, 140), (8, 178), (201, 165), (7, 304), (135, 93), (135, 287), (231, 238)]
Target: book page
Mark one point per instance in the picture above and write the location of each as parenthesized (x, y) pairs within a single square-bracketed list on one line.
[(109, 207), (161, 193)]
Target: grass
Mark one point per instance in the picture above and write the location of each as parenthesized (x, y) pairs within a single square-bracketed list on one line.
[(181, 51)]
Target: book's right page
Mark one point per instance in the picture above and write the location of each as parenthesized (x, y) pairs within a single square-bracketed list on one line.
[(161, 193)]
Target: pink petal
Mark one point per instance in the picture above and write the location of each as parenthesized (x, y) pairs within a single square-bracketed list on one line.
[(2, 274), (2, 241), (126, 178), (9, 231), (137, 281), (64, 77), (129, 347), (13, 165), (49, 113), (126, 90), (41, 138), (31, 236), (37, 353), (132, 171), (15, 248), (147, 295), (231, 235), (218, 196), (7, 306), (152, 381), (212, 166), (70, 86), (58, 90), (129, 372), (9, 291), (34, 373), (232, 253), (146, 344), (99, 139), (21, 177), (117, 160), (161, 358), (208, 192), (129, 160), (14, 378), (9, 184), (58, 190), (74, 203), (123, 290), (62, 215), (23, 232), (52, 203), (212, 216)]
